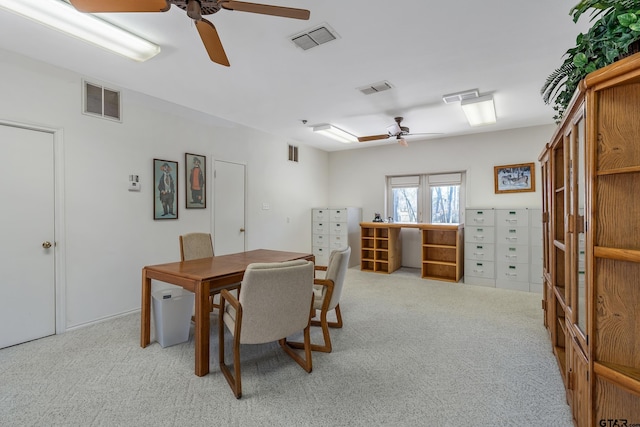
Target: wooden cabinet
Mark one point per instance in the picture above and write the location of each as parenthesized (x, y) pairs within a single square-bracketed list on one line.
[(381, 247), (591, 253), (442, 252)]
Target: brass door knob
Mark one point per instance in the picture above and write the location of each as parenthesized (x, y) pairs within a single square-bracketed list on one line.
[(46, 245)]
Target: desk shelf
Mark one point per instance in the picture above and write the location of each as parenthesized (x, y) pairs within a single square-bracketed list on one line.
[(442, 252)]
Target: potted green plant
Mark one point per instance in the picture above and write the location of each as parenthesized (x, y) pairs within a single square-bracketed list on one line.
[(616, 27)]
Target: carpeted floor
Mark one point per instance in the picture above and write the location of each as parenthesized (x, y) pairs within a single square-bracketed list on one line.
[(412, 352)]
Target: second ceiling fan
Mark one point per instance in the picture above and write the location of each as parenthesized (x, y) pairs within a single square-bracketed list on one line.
[(195, 9), (396, 131)]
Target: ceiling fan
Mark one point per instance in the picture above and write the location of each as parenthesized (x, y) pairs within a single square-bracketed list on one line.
[(195, 9), (396, 131)]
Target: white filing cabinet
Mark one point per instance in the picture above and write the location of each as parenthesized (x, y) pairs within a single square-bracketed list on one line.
[(503, 248), (336, 228), (479, 247)]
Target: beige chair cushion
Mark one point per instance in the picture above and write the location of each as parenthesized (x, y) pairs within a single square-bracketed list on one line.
[(275, 300), (336, 271)]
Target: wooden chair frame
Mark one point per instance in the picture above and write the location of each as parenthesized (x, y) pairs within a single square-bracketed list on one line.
[(326, 345), (234, 379)]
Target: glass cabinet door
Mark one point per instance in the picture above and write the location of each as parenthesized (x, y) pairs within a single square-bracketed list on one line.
[(576, 207)]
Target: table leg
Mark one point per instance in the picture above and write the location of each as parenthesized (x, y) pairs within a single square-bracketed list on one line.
[(145, 315), (202, 328)]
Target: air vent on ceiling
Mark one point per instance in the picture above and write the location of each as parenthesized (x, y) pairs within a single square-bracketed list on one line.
[(459, 96), (375, 87), (314, 37), (100, 101)]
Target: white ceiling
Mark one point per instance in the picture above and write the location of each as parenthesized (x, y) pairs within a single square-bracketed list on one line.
[(425, 49)]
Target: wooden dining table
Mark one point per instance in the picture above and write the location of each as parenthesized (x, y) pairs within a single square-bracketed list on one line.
[(200, 276)]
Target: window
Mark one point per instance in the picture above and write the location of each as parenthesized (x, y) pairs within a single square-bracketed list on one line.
[(432, 198)]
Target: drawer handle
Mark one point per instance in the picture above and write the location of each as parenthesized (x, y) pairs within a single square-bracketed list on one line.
[(478, 219), (478, 237)]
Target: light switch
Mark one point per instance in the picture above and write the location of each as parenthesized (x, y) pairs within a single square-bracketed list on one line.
[(265, 206), (134, 183)]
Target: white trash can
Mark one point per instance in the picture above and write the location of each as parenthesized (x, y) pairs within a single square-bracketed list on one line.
[(172, 309)]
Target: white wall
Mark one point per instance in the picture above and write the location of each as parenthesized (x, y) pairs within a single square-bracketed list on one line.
[(357, 177), (110, 233)]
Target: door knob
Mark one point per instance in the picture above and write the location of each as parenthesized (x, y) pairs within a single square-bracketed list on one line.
[(46, 245), (242, 230)]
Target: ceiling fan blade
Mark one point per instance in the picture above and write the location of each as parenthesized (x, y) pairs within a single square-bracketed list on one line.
[(264, 9), (98, 6), (212, 43), (372, 138)]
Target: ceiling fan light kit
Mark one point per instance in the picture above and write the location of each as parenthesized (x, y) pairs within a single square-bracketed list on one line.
[(335, 133), (63, 17), (479, 111)]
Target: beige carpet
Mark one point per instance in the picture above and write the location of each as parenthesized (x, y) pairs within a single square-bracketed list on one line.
[(413, 352)]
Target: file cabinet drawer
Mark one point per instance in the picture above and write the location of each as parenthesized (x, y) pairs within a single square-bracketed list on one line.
[(479, 251), (512, 218), (479, 234)]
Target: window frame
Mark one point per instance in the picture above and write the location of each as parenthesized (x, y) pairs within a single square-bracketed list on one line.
[(424, 183)]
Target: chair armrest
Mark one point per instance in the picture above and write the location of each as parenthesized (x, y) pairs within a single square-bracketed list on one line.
[(324, 282), (225, 295)]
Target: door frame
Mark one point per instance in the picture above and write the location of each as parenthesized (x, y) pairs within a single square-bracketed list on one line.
[(59, 279)]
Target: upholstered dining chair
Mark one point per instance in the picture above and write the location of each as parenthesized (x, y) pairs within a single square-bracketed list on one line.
[(275, 302), (327, 292), (196, 246)]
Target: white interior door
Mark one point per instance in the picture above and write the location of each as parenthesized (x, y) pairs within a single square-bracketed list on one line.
[(27, 282), (228, 201)]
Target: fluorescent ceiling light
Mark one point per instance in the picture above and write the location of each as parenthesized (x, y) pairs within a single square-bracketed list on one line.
[(479, 111), (61, 16), (335, 133)]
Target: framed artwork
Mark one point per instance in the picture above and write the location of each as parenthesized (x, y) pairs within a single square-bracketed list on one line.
[(515, 178), (165, 193), (195, 171)]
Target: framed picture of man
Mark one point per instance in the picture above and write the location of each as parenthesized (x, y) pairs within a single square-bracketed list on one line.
[(165, 194), (195, 181)]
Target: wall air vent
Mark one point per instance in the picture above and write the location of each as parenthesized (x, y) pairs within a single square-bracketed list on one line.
[(293, 153), (100, 101), (375, 87), (314, 37)]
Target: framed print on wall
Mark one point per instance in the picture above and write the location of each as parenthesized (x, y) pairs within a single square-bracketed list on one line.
[(195, 181), (515, 178), (165, 193)]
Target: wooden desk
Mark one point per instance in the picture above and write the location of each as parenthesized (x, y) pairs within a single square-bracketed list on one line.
[(200, 276), (442, 248)]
